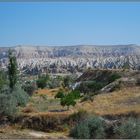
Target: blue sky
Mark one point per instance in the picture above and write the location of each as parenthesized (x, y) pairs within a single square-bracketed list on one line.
[(69, 23)]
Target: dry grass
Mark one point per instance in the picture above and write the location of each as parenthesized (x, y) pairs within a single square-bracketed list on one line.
[(45, 121), (50, 92), (120, 102)]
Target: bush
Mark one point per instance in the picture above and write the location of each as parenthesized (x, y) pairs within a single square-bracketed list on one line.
[(129, 129), (90, 86), (9, 101), (75, 94), (42, 81), (113, 77), (96, 128), (81, 131), (77, 117), (90, 128), (7, 105), (66, 81), (54, 83), (20, 95), (60, 94), (29, 88)]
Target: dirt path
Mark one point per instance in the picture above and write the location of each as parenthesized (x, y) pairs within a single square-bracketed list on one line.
[(9, 132)]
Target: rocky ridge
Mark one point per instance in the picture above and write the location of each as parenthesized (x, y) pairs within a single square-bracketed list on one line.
[(63, 59)]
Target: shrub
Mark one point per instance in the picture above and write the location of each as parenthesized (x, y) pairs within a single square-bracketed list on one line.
[(66, 81), (75, 94), (90, 128), (20, 95), (81, 131), (113, 77), (9, 101), (29, 88), (54, 83), (95, 86), (42, 81), (7, 105), (96, 128), (60, 94), (77, 117), (129, 129), (90, 86)]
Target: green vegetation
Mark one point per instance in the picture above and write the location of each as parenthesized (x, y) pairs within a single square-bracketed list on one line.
[(11, 96), (60, 94), (66, 81), (20, 96), (9, 101), (3, 79), (29, 87), (101, 80), (91, 86), (68, 99), (42, 81), (129, 129), (12, 70), (90, 128), (113, 77)]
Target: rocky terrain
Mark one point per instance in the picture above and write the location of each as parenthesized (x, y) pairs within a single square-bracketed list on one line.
[(64, 59)]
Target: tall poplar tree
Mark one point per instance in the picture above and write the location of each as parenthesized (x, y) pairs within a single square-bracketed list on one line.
[(12, 70)]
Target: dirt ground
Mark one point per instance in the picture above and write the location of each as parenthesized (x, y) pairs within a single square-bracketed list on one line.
[(13, 132)]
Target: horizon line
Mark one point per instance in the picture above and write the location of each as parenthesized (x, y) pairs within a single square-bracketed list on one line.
[(30, 45)]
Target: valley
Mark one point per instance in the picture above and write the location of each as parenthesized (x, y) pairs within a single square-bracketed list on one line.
[(51, 101)]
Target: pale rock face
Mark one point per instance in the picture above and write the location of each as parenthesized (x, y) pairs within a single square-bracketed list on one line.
[(73, 58)]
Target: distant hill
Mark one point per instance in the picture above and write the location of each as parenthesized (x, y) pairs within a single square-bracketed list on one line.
[(73, 58)]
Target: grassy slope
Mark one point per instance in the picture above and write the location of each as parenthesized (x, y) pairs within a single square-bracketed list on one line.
[(119, 102)]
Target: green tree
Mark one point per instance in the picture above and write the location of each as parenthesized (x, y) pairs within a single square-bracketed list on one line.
[(12, 70), (12, 96), (70, 99)]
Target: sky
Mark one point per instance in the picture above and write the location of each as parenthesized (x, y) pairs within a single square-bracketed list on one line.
[(69, 23)]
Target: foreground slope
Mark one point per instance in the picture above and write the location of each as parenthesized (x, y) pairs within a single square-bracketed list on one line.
[(118, 97)]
